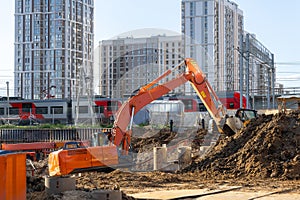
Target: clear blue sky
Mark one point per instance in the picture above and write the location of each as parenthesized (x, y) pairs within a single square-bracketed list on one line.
[(275, 23)]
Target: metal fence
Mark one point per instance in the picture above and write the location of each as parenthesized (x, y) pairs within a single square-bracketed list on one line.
[(45, 135)]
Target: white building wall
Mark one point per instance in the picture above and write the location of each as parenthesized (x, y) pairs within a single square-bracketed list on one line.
[(141, 61)]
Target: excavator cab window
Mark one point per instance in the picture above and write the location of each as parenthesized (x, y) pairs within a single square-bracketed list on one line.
[(246, 114), (72, 145)]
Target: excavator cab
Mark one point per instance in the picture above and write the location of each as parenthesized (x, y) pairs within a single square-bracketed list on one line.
[(245, 115), (241, 119), (101, 138)]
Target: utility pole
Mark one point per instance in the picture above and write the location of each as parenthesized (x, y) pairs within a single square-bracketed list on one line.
[(84, 80), (7, 86), (273, 82), (247, 69), (241, 70)]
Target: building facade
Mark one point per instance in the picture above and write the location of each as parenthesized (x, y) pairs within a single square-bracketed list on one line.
[(259, 73), (126, 64), (53, 46), (232, 59), (211, 31)]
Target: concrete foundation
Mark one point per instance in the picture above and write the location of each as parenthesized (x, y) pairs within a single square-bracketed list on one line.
[(55, 185), (184, 156), (160, 157)]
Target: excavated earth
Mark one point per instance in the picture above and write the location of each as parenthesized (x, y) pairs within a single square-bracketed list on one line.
[(263, 156), (268, 148)]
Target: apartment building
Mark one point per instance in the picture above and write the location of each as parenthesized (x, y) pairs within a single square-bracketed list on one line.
[(126, 64), (232, 59), (211, 31), (53, 47)]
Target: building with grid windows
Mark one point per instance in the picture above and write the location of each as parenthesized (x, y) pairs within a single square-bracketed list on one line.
[(232, 59), (211, 31), (126, 64), (53, 46)]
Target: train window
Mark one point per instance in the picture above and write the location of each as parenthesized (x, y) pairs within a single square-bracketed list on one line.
[(14, 111), (112, 105), (98, 109), (188, 104), (83, 109), (56, 110), (1, 111), (26, 107), (202, 107), (41, 110)]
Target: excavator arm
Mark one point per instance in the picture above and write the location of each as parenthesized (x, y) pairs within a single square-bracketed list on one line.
[(152, 91)]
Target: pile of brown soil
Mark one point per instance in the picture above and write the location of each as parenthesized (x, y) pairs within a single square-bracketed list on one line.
[(267, 147), (153, 138), (145, 143)]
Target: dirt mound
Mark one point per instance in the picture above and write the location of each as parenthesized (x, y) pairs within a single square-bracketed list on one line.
[(165, 136), (267, 147), (145, 143)]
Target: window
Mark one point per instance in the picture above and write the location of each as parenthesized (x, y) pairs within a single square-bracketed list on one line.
[(41, 110), (1, 111), (14, 111), (98, 109), (56, 110), (112, 106), (26, 107), (83, 109)]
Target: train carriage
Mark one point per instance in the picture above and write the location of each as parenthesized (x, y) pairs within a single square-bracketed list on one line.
[(103, 110), (28, 112)]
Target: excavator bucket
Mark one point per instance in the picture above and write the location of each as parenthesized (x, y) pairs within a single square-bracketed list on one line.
[(241, 119), (232, 126)]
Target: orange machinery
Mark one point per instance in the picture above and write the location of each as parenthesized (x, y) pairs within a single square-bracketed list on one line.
[(32, 148), (12, 175), (118, 149)]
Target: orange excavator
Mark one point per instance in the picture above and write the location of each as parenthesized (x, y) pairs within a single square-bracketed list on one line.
[(112, 149)]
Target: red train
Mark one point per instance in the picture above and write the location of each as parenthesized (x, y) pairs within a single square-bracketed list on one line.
[(56, 111), (231, 100), (63, 111)]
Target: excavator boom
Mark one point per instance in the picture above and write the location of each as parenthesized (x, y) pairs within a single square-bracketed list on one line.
[(153, 91)]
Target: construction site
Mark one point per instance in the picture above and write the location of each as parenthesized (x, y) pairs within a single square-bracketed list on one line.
[(261, 161), (222, 154)]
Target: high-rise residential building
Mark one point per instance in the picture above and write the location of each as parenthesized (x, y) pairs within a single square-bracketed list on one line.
[(211, 32), (232, 59), (126, 64), (53, 47)]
